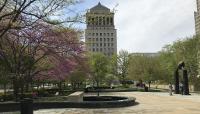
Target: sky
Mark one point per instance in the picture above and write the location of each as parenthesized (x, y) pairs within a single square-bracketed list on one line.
[(148, 25)]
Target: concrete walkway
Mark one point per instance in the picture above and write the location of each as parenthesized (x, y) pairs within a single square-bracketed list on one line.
[(149, 103)]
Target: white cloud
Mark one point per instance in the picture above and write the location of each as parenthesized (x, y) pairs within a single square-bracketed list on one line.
[(148, 25)]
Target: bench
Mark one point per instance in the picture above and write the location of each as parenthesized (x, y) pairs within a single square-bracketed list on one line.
[(75, 97)]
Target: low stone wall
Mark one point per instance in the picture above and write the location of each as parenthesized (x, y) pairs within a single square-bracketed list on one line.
[(15, 106), (191, 87), (9, 106), (75, 97)]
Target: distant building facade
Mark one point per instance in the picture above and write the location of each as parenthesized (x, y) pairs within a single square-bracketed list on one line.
[(197, 25), (100, 34), (197, 18), (145, 54)]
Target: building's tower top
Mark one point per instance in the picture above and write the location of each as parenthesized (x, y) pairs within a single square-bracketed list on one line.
[(99, 7), (198, 5)]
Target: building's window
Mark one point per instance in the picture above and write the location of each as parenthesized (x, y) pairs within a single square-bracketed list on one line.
[(93, 39), (96, 39), (104, 49), (108, 34), (101, 44), (93, 34), (100, 49), (104, 44), (108, 39), (93, 44), (104, 21), (104, 39), (97, 45), (107, 20), (111, 21), (111, 34), (108, 44), (100, 39), (100, 20), (97, 34), (93, 49), (112, 39), (92, 21), (104, 33), (111, 44), (97, 49), (96, 23), (100, 34), (89, 20)]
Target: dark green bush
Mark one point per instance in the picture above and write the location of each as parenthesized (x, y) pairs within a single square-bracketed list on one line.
[(26, 95), (43, 93), (7, 97)]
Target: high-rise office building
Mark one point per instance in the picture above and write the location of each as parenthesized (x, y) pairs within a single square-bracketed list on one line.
[(100, 34), (197, 26), (197, 18)]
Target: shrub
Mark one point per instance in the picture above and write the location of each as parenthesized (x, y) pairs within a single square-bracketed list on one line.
[(42, 93), (7, 97)]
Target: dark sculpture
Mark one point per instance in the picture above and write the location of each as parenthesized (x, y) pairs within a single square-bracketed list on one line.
[(181, 66), (176, 82), (185, 83)]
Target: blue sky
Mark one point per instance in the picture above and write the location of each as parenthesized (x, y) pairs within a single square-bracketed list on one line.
[(148, 25)]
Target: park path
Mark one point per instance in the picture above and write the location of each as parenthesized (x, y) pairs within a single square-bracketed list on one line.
[(149, 103)]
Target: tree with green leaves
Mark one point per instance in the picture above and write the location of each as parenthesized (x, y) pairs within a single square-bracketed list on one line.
[(146, 68), (123, 62), (182, 50), (99, 64), (77, 78), (99, 67)]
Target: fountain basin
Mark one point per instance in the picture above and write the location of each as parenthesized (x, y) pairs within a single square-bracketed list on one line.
[(88, 102)]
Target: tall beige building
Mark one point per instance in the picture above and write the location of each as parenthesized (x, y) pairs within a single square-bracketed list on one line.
[(100, 34), (197, 26), (197, 18)]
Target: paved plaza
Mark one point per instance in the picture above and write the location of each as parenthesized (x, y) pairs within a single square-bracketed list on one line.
[(148, 103)]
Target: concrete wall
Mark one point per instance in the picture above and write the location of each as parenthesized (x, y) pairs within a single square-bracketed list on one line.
[(191, 87)]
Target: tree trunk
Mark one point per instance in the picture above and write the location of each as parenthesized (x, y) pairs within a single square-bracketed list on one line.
[(27, 87), (37, 86), (78, 85), (73, 85), (97, 88), (43, 85), (15, 89), (4, 87), (149, 85), (31, 86), (60, 87), (22, 91)]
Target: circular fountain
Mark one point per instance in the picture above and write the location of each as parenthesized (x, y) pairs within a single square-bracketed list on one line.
[(107, 101)]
